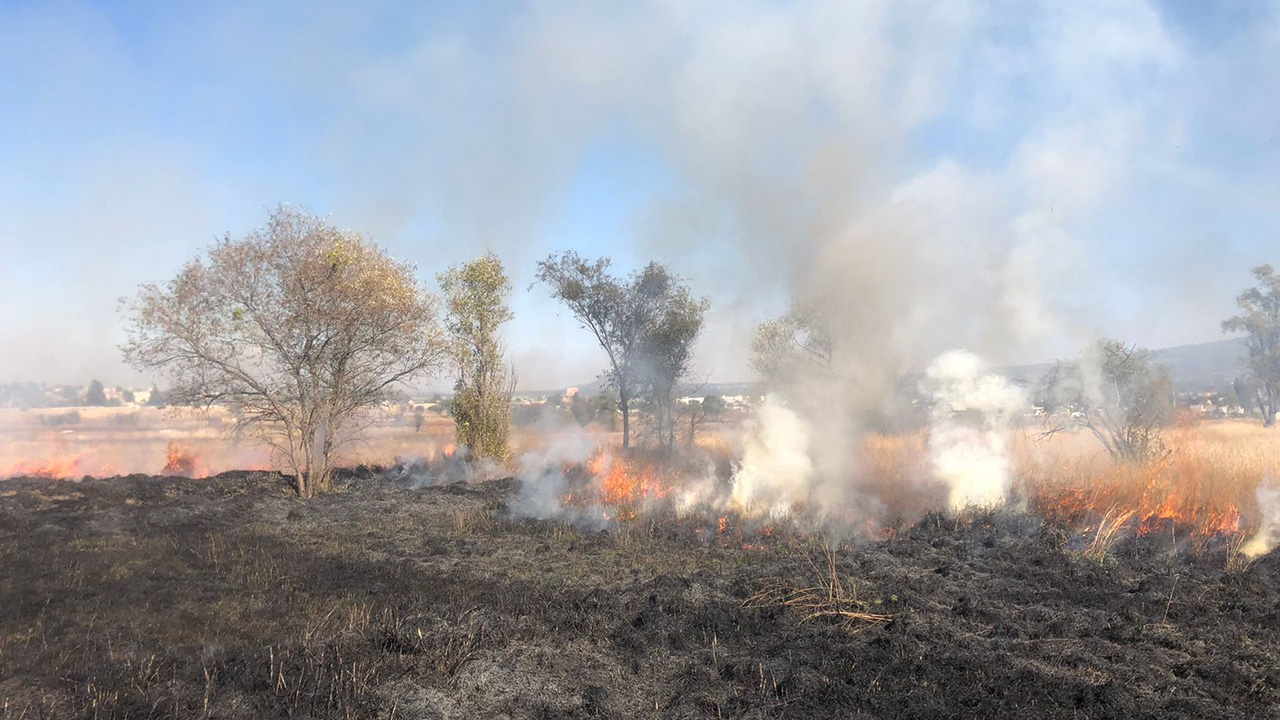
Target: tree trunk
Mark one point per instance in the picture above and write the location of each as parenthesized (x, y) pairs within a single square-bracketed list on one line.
[(624, 404)]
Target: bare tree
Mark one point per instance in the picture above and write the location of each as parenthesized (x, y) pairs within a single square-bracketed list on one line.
[(1116, 393), (299, 328), (476, 308), (1260, 318), (625, 316)]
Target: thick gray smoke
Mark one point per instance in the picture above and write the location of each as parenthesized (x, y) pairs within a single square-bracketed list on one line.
[(788, 132)]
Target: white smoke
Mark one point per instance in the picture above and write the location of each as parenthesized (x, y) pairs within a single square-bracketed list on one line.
[(1268, 535), (416, 471), (542, 486), (970, 421), (777, 471)]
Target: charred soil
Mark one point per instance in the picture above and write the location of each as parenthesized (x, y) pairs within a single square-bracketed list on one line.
[(151, 597)]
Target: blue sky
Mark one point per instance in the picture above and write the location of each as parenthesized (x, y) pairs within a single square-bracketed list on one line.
[(1011, 177)]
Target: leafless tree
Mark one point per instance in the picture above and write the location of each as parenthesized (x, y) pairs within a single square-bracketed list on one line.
[(299, 328)]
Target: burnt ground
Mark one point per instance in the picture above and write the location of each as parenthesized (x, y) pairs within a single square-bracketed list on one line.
[(147, 597)]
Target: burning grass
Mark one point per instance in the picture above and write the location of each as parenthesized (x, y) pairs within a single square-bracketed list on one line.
[(1205, 490), (1207, 485)]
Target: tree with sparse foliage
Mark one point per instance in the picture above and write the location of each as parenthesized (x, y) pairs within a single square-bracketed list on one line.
[(627, 316), (1260, 318), (475, 309), (299, 328), (700, 411), (1115, 392), (667, 352), (799, 342)]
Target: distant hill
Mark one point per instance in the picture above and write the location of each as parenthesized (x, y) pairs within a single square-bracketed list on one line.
[(1203, 366), (599, 385)]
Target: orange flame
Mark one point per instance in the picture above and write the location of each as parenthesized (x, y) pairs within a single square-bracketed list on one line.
[(182, 461), (1172, 493), (626, 483), (57, 468)]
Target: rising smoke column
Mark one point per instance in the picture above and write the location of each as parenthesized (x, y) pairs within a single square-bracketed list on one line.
[(776, 472), (1268, 535), (969, 424)]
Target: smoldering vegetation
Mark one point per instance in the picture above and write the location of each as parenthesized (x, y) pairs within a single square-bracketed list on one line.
[(146, 597)]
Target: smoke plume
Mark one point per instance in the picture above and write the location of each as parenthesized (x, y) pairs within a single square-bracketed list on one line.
[(1268, 535), (777, 471), (972, 414)]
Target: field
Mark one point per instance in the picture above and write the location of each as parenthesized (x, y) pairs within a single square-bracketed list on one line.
[(103, 441), (166, 597), (1097, 592)]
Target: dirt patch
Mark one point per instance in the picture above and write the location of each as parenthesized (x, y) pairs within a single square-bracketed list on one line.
[(227, 598)]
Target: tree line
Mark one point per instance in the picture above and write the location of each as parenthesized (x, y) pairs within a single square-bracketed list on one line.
[(300, 328)]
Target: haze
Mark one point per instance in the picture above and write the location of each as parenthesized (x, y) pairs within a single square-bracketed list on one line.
[(1021, 176)]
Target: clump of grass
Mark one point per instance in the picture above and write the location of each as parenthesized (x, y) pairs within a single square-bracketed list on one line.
[(444, 647), (1238, 557), (828, 598), (1107, 534)]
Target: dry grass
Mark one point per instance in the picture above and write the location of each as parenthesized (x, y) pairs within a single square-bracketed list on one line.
[(827, 598), (1107, 534), (1207, 483)]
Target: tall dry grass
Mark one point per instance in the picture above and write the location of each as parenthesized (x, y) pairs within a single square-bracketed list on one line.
[(1207, 482)]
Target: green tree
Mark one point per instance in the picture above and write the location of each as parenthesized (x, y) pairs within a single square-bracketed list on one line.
[(96, 395), (798, 343), (625, 315), (299, 328), (1260, 319), (700, 411), (156, 398), (1116, 393), (1246, 393), (475, 310), (667, 352)]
